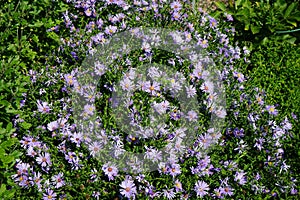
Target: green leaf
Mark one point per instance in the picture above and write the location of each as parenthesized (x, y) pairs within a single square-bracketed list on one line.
[(16, 154), (36, 24), (254, 29), (221, 6), (7, 143), (2, 189), (26, 125), (292, 22), (290, 9), (9, 127), (8, 159)]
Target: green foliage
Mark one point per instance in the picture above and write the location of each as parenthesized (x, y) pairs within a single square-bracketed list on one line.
[(8, 156), (260, 20), (276, 68)]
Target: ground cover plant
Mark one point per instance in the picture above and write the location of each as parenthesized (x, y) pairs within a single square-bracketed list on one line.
[(61, 125)]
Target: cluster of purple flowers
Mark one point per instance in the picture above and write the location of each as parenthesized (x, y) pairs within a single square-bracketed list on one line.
[(70, 143)]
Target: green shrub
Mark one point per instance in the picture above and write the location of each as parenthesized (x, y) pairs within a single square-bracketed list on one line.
[(260, 20)]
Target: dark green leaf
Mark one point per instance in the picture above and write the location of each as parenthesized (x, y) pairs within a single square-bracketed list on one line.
[(290, 9)]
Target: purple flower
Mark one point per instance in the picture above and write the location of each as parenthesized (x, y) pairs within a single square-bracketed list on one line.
[(207, 87), (49, 195), (227, 190), (128, 188), (201, 188), (190, 91), (174, 170), (43, 107), (178, 186), (240, 77), (176, 16), (110, 30), (94, 148), (176, 5), (192, 116), (52, 126), (44, 159), (272, 110), (152, 88), (203, 43), (169, 193), (175, 115), (213, 22), (77, 138), (110, 170), (229, 17), (127, 84), (217, 193), (36, 180), (70, 157), (240, 178), (58, 180)]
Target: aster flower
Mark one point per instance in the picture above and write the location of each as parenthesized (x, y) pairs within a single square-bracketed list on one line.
[(240, 77), (192, 116), (201, 188), (49, 194), (52, 126), (190, 91), (44, 159), (31, 152), (89, 109), (23, 168), (36, 179), (77, 138), (43, 107), (174, 170), (100, 68), (110, 29), (227, 190), (152, 88), (25, 141), (175, 86), (110, 170), (272, 110), (94, 148), (128, 188), (176, 16), (176, 5), (213, 22), (217, 193), (127, 84), (169, 193), (221, 113), (207, 87), (58, 180), (70, 157), (203, 43), (229, 17), (178, 186), (163, 168), (240, 178), (175, 114)]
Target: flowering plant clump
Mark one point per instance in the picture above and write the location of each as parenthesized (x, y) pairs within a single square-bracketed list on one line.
[(142, 100)]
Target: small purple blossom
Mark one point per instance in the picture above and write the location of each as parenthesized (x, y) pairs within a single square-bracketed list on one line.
[(49, 195), (110, 170), (43, 107), (271, 110), (128, 188), (58, 180), (201, 188), (44, 159)]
